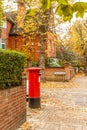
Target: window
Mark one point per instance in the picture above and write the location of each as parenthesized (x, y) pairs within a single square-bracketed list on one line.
[(2, 44), (50, 45), (4, 24)]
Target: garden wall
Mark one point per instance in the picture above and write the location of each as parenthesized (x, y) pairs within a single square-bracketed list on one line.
[(51, 76), (51, 73), (12, 107)]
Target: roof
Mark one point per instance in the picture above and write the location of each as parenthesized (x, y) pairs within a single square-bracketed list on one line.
[(11, 17)]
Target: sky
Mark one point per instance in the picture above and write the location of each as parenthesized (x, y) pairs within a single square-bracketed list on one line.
[(81, 0), (10, 5), (14, 5), (63, 27), (10, 2)]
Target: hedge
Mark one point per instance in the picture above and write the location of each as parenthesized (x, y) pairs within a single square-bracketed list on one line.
[(11, 68)]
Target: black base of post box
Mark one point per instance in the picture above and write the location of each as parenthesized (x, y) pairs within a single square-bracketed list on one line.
[(34, 102)]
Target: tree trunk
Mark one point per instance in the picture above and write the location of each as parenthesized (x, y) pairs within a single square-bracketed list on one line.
[(43, 29), (42, 59)]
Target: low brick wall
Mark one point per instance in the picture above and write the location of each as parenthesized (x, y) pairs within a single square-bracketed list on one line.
[(51, 76), (72, 71), (12, 107)]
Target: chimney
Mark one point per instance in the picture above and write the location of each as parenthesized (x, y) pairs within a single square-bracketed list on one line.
[(20, 12)]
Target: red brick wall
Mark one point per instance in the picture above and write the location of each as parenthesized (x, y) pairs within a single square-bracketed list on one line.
[(51, 45), (17, 42), (50, 73), (72, 71), (5, 31), (9, 27), (12, 107)]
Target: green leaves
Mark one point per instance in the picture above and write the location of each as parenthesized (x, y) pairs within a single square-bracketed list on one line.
[(66, 11), (80, 8), (31, 12), (11, 68), (46, 4), (64, 2), (80, 14), (1, 13)]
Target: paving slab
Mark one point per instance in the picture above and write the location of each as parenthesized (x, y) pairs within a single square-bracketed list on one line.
[(62, 108)]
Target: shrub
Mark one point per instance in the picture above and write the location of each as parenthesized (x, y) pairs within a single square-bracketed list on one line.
[(11, 68), (53, 62), (61, 62), (47, 61), (33, 63)]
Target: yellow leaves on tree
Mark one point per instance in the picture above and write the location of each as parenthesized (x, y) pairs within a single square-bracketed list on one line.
[(27, 50), (77, 35), (1, 12)]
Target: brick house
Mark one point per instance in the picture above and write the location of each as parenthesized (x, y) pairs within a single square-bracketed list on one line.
[(10, 39)]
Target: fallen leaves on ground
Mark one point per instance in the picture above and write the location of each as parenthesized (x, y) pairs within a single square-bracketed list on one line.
[(49, 84), (80, 74), (26, 126), (69, 84)]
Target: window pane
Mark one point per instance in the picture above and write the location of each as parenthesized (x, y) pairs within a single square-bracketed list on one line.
[(5, 24), (3, 46), (3, 40), (0, 40)]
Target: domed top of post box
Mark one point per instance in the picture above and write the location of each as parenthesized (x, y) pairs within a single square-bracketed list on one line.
[(34, 69)]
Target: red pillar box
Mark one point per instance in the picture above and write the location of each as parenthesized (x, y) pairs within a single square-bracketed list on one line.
[(34, 87)]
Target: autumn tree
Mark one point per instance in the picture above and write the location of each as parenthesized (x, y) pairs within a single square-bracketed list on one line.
[(37, 21), (76, 42), (77, 34), (1, 14), (64, 8)]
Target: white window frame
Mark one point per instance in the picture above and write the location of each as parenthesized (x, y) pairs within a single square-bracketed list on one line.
[(4, 24)]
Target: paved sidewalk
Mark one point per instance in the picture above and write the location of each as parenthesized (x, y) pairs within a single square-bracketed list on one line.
[(63, 107)]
